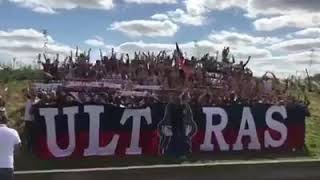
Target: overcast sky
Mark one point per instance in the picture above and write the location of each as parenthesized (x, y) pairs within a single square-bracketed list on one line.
[(278, 34)]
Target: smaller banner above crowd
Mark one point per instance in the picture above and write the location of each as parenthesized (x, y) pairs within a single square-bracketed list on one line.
[(78, 85), (46, 86), (107, 84), (165, 129), (84, 85)]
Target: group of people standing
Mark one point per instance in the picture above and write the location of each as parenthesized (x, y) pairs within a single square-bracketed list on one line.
[(210, 80), (182, 83)]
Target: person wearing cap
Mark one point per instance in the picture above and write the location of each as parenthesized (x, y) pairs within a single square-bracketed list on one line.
[(9, 142)]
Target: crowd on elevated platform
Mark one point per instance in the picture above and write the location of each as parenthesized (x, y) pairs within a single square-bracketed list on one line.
[(150, 77)]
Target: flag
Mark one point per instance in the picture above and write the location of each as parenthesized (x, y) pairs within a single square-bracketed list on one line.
[(179, 56), (181, 62), (178, 50)]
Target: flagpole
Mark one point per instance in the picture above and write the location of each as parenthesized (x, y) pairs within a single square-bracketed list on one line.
[(311, 60), (45, 43)]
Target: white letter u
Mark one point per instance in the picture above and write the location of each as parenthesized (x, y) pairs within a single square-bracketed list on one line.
[(49, 115)]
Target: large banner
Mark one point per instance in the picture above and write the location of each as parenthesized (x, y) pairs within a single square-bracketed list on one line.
[(102, 130)]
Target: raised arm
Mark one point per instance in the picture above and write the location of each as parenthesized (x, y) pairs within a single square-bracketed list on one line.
[(245, 64), (233, 59), (39, 58), (89, 53), (202, 96), (71, 55), (112, 52), (44, 56), (57, 57), (77, 51), (145, 55), (274, 76), (101, 55)]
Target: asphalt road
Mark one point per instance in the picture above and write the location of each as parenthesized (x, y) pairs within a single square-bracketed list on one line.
[(277, 171)]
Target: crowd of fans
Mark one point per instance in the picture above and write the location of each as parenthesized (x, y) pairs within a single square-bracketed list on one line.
[(210, 80), (147, 79)]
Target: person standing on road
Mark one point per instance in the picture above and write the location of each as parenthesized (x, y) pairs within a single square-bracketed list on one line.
[(28, 119), (9, 142)]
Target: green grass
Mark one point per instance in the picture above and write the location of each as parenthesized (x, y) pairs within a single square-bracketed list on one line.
[(9, 75), (14, 102), (25, 161), (313, 126)]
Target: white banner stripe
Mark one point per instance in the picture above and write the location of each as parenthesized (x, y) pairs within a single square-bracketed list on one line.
[(163, 166)]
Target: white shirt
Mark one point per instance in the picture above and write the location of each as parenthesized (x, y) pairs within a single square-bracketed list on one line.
[(27, 112), (9, 139)]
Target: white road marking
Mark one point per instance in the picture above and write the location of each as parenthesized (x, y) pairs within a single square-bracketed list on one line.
[(165, 166)]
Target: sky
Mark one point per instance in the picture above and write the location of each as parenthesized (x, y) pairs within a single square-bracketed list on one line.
[(282, 36)]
